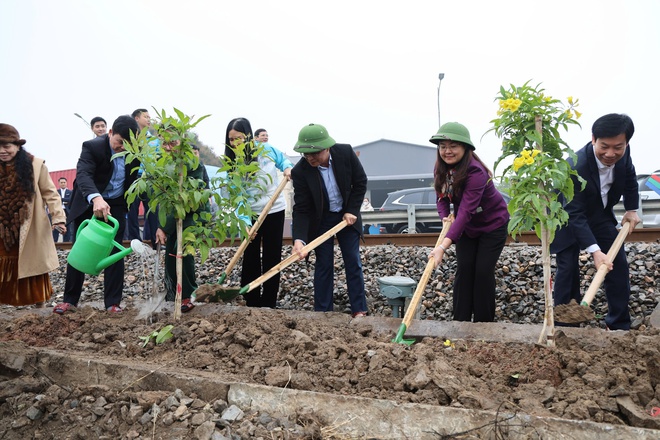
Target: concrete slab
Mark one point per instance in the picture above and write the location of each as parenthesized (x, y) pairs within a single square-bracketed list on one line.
[(419, 329), (349, 417)]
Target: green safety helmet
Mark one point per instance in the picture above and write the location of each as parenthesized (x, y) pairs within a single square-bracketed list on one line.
[(312, 139), (452, 131)]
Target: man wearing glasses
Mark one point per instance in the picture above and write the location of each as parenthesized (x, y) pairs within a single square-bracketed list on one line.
[(329, 186)]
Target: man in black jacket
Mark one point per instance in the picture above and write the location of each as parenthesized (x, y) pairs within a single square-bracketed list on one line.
[(329, 186), (606, 166), (99, 190)]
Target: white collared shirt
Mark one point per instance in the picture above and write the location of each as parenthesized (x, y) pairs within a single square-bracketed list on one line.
[(606, 175), (334, 195)]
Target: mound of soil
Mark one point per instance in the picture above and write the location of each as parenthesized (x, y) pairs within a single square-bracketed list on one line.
[(611, 380)]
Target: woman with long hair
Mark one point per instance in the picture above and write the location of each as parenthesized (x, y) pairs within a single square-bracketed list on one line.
[(27, 249), (480, 226), (265, 248)]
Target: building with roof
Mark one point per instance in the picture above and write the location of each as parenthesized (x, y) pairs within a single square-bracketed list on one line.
[(391, 166)]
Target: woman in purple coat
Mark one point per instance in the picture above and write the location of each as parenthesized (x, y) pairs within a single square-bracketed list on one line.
[(480, 226)]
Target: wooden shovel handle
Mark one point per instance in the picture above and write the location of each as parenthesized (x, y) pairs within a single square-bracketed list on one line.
[(293, 258), (604, 268), (255, 227), (417, 296)]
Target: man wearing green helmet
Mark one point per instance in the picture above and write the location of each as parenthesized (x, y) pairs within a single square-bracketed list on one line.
[(329, 186), (480, 228)]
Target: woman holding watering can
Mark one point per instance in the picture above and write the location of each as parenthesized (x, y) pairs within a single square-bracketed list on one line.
[(480, 227), (27, 250)]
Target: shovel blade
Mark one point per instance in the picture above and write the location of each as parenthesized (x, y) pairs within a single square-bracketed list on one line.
[(215, 293), (399, 336)]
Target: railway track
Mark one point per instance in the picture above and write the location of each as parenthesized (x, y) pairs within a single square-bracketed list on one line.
[(649, 235)]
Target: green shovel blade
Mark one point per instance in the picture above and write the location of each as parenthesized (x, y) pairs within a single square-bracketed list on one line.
[(399, 336)]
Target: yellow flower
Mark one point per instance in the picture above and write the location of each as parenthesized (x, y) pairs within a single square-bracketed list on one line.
[(525, 153), (569, 114), (529, 161), (547, 98), (517, 163), (515, 103), (570, 100), (577, 114), (535, 153)]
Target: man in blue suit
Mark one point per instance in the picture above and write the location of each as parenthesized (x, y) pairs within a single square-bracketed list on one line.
[(606, 166)]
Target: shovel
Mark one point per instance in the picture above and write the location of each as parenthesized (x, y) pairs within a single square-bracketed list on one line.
[(253, 230), (290, 260), (574, 313), (412, 308), (214, 292)]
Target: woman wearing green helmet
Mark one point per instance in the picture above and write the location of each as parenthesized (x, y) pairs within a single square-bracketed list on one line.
[(480, 226)]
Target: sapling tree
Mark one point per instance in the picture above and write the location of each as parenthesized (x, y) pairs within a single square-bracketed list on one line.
[(528, 124), (166, 157)]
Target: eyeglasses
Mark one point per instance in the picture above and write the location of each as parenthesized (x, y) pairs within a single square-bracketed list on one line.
[(449, 147)]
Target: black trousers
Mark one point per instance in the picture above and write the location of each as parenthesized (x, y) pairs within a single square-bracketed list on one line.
[(616, 283), (264, 252), (113, 275), (474, 285)]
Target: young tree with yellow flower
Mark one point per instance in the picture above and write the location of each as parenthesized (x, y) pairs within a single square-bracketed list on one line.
[(528, 124)]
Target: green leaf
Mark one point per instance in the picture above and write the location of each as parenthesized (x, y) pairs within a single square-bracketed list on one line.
[(164, 334)]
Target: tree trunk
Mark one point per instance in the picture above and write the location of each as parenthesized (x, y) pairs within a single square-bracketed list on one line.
[(549, 316), (179, 268), (179, 259)]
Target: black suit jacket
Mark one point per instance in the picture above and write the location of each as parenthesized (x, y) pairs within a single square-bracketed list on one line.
[(93, 173), (309, 197), (586, 212)]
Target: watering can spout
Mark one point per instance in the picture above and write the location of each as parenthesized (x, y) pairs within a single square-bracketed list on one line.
[(112, 259)]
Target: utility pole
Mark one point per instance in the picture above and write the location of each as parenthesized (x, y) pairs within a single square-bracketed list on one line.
[(440, 77)]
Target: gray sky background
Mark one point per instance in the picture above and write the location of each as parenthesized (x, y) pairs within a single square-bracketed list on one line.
[(367, 70)]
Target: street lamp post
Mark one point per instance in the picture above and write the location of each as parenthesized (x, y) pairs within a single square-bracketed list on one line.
[(83, 119), (440, 77)]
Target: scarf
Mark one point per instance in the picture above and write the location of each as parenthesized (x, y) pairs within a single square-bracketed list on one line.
[(14, 206), (448, 186)]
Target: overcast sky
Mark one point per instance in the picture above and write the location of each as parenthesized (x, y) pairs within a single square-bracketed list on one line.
[(367, 70)]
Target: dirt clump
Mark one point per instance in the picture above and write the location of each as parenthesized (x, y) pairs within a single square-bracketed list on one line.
[(579, 379)]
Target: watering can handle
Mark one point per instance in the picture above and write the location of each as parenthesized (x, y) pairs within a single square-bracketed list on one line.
[(114, 222), (81, 227)]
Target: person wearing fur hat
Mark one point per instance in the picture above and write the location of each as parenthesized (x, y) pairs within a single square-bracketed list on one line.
[(480, 226), (329, 185), (27, 250)]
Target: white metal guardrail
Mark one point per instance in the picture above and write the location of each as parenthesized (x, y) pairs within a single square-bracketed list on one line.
[(649, 212)]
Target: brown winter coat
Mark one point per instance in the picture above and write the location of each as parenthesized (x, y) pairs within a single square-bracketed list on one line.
[(36, 252)]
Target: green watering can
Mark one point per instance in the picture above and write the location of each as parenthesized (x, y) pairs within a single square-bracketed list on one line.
[(95, 239)]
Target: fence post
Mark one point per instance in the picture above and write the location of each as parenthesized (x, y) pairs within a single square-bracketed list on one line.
[(412, 220)]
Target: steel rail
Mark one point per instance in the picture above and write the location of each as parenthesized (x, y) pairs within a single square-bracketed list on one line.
[(647, 235)]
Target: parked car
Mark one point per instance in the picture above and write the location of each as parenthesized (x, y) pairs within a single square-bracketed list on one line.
[(650, 218), (424, 199)]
